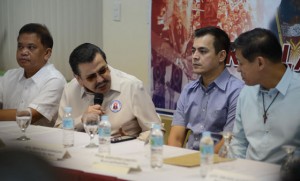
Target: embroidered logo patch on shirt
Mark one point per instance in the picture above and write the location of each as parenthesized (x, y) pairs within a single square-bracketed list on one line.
[(115, 106)]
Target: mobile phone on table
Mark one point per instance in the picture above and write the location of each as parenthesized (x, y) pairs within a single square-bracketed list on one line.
[(121, 139)]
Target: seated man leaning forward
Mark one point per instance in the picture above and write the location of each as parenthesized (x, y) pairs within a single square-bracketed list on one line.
[(267, 113), (208, 103), (126, 102)]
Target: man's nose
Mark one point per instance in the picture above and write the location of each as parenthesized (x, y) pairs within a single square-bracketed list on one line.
[(195, 54), (99, 77), (24, 51), (195, 57)]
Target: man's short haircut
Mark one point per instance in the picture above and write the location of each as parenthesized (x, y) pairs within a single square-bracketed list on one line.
[(41, 31), (259, 42), (221, 39), (84, 53)]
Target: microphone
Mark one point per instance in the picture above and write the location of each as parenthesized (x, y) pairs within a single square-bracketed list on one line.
[(98, 99)]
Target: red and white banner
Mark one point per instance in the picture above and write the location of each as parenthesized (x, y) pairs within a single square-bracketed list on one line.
[(174, 21)]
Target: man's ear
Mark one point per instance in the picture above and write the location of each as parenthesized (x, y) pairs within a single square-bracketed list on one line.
[(48, 54), (222, 55), (261, 62), (79, 80)]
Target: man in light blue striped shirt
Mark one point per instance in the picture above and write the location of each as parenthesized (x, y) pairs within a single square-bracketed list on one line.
[(268, 113)]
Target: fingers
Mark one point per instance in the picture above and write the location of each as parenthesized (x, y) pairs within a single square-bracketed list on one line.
[(95, 109)]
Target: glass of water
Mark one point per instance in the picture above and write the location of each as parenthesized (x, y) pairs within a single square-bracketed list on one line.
[(23, 118), (90, 124), (286, 169), (226, 150)]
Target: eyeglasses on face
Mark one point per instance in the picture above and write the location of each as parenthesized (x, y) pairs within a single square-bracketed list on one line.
[(100, 72)]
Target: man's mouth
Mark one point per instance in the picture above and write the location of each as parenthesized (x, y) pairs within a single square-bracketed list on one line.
[(101, 85), (23, 60), (196, 65)]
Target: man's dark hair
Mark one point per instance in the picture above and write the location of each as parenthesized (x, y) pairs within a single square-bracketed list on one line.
[(84, 53), (41, 31), (221, 39), (259, 42)]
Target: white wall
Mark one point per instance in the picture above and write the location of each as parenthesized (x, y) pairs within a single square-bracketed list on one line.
[(71, 22), (127, 42)]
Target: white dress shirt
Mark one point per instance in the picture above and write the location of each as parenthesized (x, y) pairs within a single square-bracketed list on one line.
[(41, 92), (127, 104)]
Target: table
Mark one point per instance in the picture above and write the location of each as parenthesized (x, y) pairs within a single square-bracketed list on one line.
[(82, 159)]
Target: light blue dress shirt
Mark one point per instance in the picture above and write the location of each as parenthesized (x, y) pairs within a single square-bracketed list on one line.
[(258, 141), (208, 109)]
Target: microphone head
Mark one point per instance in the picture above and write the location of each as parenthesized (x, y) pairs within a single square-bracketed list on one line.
[(98, 99)]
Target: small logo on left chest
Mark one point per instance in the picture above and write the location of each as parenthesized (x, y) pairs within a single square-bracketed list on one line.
[(115, 106)]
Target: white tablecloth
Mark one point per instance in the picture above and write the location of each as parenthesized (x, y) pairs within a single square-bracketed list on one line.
[(84, 159)]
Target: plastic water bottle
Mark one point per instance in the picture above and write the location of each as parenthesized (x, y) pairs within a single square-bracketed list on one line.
[(147, 142), (104, 132), (156, 142), (206, 153), (68, 128)]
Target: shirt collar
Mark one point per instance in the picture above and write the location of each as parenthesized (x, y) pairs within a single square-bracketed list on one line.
[(285, 81), (221, 81), (282, 85), (22, 75), (38, 76), (115, 79), (84, 93)]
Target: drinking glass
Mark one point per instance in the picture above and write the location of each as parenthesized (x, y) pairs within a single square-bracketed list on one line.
[(287, 164), (226, 150), (90, 124), (23, 118)]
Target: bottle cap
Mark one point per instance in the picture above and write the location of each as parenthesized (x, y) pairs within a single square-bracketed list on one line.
[(156, 126), (104, 117), (206, 133), (68, 109)]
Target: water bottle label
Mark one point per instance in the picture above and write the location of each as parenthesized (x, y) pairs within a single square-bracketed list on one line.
[(156, 141), (104, 132), (68, 123), (207, 149)]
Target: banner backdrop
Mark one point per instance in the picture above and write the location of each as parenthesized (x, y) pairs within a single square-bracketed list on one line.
[(174, 21)]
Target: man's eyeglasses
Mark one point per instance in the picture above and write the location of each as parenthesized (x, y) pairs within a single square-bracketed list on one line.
[(100, 72)]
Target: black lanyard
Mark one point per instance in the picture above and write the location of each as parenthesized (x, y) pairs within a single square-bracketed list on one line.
[(266, 110)]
